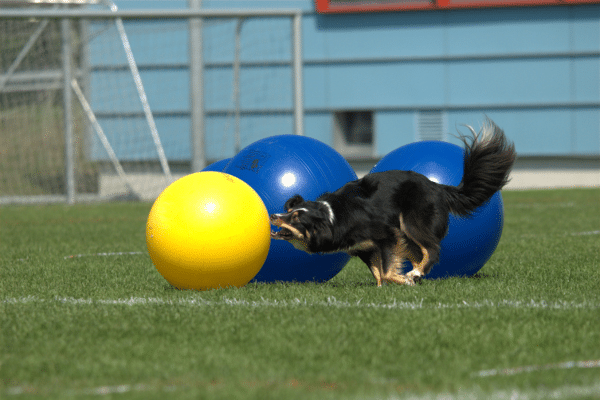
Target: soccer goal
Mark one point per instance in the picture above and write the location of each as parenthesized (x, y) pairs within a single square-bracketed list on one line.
[(48, 124), (109, 107)]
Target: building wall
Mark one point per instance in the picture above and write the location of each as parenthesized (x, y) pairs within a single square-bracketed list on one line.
[(535, 71)]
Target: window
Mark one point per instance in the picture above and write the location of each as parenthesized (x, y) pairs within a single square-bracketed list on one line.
[(353, 133)]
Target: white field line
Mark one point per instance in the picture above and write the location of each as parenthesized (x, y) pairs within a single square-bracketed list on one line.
[(329, 302), (541, 393), (585, 233), (110, 254), (99, 391), (565, 234), (532, 368)]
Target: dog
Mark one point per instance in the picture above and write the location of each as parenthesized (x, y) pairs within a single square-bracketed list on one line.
[(388, 217)]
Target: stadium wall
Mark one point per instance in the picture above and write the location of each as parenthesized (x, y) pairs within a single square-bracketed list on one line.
[(534, 70)]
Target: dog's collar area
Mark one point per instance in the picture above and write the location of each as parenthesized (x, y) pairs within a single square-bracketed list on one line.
[(330, 214)]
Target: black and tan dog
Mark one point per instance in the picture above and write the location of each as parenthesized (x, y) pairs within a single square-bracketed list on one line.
[(387, 217)]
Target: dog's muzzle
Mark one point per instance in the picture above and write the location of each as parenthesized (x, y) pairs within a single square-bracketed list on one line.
[(282, 233)]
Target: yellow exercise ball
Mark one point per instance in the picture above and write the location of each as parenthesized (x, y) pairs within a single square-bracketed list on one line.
[(208, 230)]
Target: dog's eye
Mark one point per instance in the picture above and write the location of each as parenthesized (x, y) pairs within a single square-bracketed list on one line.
[(295, 217)]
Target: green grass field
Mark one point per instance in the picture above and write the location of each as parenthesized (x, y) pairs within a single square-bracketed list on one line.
[(81, 317)]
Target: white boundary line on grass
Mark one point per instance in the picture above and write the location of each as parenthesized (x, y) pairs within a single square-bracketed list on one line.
[(508, 394), (585, 233), (331, 301), (540, 393), (532, 368), (118, 253)]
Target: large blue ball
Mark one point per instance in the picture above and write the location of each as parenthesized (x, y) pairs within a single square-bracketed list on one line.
[(471, 240), (278, 168), (218, 166)]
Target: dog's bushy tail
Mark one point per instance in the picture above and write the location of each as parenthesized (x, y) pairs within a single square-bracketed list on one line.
[(489, 157)]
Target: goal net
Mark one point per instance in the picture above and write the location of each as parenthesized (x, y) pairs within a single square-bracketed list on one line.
[(115, 138), (130, 101)]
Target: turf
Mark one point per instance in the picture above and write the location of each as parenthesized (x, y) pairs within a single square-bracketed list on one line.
[(82, 318)]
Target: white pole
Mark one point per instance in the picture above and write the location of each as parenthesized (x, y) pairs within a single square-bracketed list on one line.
[(297, 72), (196, 91), (236, 84), (142, 94), (67, 54)]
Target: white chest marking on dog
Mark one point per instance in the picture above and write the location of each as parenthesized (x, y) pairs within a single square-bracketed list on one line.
[(329, 210)]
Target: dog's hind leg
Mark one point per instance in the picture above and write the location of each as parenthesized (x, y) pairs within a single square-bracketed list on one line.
[(428, 257), (392, 267)]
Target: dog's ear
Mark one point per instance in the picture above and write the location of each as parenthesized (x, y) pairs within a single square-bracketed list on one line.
[(293, 202)]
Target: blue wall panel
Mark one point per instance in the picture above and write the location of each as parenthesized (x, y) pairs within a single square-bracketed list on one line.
[(167, 90), (261, 39), (152, 42), (261, 88), (585, 29), (220, 132), (218, 89), (319, 126), (520, 66), (138, 144), (586, 79), (158, 42), (460, 32), (585, 132), (266, 88), (218, 37), (220, 137), (506, 82), (373, 35), (366, 86), (535, 132), (266, 39), (507, 30), (394, 129)]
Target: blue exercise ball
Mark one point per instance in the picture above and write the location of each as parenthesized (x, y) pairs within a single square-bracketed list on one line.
[(471, 240), (218, 166), (278, 168)]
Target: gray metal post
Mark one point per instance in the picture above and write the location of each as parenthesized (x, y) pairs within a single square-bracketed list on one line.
[(297, 72), (84, 75), (236, 84), (196, 90), (67, 56)]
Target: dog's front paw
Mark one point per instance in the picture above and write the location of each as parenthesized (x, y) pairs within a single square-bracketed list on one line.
[(414, 276), (409, 280)]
